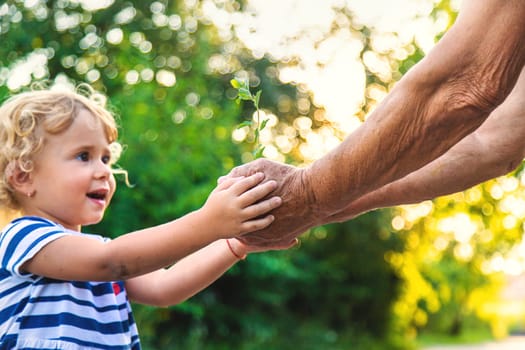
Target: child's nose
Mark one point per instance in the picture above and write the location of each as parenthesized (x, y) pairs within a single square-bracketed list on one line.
[(102, 170)]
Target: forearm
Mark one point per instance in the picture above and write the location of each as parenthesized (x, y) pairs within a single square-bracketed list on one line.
[(155, 247), (494, 149), (187, 277), (462, 167), (447, 96)]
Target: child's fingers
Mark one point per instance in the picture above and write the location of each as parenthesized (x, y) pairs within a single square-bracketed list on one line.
[(227, 182), (256, 224), (262, 207), (247, 183), (257, 193)]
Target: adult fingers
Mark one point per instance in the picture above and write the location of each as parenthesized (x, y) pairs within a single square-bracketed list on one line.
[(282, 245), (240, 171)]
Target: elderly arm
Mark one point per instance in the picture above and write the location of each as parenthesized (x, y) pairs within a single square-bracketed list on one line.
[(443, 98), (494, 149)]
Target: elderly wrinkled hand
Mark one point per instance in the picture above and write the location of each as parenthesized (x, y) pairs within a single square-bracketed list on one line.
[(294, 216)]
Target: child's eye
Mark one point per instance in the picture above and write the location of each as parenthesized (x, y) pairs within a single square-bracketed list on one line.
[(106, 159), (84, 156)]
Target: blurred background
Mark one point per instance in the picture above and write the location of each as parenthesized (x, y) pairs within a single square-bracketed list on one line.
[(448, 270)]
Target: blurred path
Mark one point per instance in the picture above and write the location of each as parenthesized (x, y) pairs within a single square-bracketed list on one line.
[(511, 343)]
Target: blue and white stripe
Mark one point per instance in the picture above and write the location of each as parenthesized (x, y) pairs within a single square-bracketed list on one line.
[(42, 313)]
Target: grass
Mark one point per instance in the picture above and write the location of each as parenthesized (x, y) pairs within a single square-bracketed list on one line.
[(468, 336)]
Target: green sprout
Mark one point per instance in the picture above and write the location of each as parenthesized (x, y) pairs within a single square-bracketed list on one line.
[(244, 94)]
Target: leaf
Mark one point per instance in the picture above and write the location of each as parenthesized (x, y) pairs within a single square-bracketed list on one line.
[(244, 123), (245, 94), (235, 83), (263, 124), (245, 84), (240, 83), (257, 98), (258, 152)]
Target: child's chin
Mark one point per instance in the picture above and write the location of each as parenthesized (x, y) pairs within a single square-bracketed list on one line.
[(93, 221)]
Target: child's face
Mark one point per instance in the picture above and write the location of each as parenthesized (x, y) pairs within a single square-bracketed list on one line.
[(72, 178)]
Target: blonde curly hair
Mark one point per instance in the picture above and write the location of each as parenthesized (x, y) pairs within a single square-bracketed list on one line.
[(27, 117)]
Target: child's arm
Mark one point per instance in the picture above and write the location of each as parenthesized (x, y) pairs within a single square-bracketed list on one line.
[(190, 275), (231, 210)]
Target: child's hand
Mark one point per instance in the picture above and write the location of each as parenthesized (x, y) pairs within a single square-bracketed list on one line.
[(235, 206)]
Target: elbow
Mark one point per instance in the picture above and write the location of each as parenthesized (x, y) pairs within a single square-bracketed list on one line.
[(465, 94), (478, 89), (112, 267), (118, 271), (501, 162), (508, 164), (514, 164), (460, 107), (474, 101), (111, 271)]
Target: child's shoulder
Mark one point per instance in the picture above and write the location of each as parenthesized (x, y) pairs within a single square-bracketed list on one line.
[(24, 221), (29, 227), (35, 219), (37, 226)]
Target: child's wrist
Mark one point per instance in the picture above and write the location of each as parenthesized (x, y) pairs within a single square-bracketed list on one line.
[(237, 248)]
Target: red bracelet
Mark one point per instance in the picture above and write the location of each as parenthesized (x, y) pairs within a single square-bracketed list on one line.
[(233, 251)]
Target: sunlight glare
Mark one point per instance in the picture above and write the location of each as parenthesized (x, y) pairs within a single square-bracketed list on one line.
[(460, 225), (23, 71), (95, 5)]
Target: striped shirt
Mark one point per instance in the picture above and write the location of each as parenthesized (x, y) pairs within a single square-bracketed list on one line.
[(42, 313)]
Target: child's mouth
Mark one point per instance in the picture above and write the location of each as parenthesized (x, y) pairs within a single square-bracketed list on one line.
[(98, 195)]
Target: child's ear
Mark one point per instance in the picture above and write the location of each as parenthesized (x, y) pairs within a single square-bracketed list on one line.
[(20, 180)]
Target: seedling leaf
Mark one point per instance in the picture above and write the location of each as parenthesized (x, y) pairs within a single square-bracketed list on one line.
[(244, 94), (258, 152), (263, 124), (244, 123), (235, 83), (257, 98)]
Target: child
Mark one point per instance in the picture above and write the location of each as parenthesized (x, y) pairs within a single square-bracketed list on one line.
[(63, 289)]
